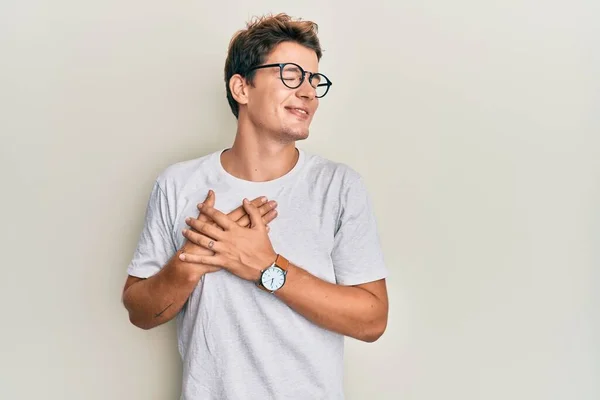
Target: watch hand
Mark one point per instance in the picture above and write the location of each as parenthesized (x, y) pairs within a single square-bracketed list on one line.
[(272, 279)]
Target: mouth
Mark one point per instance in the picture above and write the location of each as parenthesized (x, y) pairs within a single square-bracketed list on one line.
[(300, 112)]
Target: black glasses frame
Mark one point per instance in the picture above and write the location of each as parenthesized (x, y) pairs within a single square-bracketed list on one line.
[(302, 71)]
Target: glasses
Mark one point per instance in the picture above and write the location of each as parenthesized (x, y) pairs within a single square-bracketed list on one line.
[(292, 75)]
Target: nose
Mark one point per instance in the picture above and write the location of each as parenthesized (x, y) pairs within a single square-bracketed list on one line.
[(305, 90)]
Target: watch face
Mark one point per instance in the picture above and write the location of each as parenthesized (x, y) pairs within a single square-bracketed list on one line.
[(273, 278)]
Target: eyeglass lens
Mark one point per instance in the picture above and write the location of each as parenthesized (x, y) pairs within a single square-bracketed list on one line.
[(292, 77)]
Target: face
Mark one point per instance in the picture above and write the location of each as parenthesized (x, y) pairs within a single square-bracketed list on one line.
[(274, 108)]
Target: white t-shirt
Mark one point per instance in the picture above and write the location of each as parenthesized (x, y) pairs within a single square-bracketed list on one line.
[(239, 342)]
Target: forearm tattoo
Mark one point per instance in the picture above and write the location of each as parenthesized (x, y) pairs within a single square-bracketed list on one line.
[(161, 313)]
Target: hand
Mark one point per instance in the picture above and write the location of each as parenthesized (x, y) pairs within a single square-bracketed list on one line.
[(242, 251), (239, 216)]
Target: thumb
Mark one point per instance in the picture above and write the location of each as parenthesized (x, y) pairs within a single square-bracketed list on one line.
[(209, 201), (255, 218)]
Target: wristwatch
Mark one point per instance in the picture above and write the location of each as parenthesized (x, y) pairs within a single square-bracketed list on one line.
[(272, 278)]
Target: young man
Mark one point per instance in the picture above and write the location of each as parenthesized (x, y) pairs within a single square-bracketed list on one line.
[(263, 293)]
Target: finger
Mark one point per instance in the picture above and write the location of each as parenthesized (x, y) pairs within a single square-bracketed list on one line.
[(205, 228), (216, 260), (203, 241), (244, 221), (255, 217), (199, 250), (270, 216), (266, 208), (210, 200), (239, 212), (210, 268), (221, 219)]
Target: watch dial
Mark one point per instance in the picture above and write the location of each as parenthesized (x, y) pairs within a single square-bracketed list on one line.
[(273, 278)]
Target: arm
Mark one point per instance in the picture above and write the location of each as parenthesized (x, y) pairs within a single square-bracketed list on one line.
[(359, 311), (157, 299)]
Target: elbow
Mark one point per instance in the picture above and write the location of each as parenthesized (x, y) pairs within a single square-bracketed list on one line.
[(134, 322), (142, 323), (372, 336), (139, 324), (134, 318), (373, 331)]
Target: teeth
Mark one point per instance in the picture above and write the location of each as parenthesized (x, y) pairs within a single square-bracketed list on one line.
[(301, 111)]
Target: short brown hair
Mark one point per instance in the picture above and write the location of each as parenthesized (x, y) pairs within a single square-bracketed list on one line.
[(250, 47)]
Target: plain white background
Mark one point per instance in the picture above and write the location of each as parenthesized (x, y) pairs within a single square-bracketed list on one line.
[(474, 123)]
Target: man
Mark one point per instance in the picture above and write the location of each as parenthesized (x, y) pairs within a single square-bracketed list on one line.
[(263, 293)]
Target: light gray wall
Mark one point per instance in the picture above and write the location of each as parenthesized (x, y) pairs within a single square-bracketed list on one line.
[(475, 125)]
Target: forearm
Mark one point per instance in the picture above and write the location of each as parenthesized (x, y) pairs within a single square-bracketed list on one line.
[(348, 310), (156, 300)]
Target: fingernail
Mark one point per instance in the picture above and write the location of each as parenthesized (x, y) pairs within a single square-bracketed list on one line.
[(273, 203), (245, 201), (188, 219), (182, 256), (200, 205), (184, 231), (263, 199)]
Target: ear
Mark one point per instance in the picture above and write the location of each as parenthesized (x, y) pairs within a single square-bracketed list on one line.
[(239, 88)]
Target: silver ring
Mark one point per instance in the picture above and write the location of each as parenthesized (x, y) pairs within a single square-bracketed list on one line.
[(211, 244)]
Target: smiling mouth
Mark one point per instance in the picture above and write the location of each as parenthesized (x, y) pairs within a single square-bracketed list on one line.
[(298, 111)]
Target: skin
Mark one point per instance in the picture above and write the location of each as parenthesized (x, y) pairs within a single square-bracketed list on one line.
[(264, 149), (156, 300)]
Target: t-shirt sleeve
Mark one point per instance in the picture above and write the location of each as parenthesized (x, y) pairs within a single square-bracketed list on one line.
[(357, 255), (155, 245)]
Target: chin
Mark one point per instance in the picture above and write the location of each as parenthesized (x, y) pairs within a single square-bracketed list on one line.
[(294, 134)]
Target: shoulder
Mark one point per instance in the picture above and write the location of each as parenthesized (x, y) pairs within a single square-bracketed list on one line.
[(178, 176), (331, 170)]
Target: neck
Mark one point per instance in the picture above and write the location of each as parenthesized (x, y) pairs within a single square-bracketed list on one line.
[(258, 158)]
